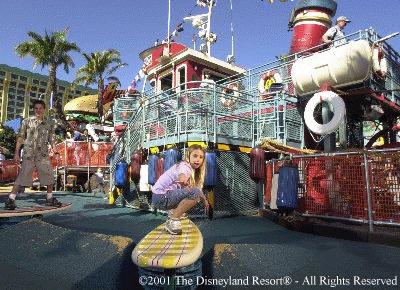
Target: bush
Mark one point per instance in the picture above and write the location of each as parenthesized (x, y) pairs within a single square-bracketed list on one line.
[(8, 139)]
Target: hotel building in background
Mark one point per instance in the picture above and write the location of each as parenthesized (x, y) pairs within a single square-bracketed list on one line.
[(19, 87)]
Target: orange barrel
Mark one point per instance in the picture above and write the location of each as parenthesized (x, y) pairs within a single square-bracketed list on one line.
[(136, 163), (257, 163)]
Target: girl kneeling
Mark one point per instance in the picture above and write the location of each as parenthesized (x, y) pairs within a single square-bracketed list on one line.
[(180, 188)]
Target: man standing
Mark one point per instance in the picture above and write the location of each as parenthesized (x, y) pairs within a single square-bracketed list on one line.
[(336, 32), (36, 133)]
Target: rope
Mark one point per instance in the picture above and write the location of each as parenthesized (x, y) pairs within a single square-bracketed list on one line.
[(181, 22)]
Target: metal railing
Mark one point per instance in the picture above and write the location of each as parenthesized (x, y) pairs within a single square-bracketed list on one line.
[(82, 154), (391, 84), (361, 186), (216, 114), (128, 141)]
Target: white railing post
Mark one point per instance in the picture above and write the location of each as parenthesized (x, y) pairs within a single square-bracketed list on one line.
[(369, 198)]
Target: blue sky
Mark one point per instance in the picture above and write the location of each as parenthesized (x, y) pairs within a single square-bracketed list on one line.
[(133, 25)]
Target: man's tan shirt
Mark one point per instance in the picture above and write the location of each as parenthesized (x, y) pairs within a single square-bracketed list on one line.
[(37, 136)]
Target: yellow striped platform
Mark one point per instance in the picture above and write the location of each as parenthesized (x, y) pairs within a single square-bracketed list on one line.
[(160, 249)]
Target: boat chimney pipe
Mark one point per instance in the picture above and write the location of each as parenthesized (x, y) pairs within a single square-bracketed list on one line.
[(310, 20)]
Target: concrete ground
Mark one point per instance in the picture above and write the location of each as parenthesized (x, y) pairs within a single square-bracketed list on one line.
[(89, 247)]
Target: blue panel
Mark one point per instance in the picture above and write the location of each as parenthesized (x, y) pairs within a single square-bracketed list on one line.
[(121, 174), (288, 187), (152, 162)]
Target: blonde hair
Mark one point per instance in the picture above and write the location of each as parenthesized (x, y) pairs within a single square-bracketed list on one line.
[(197, 177)]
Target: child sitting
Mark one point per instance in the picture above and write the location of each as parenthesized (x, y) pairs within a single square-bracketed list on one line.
[(180, 188)]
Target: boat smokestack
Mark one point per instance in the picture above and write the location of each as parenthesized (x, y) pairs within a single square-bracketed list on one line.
[(310, 19)]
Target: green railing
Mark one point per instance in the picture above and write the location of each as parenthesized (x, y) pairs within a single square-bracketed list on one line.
[(129, 140)]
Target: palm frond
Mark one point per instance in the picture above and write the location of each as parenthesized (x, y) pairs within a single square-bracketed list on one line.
[(114, 79)]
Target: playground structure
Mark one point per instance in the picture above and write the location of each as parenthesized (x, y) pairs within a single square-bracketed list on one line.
[(198, 114)]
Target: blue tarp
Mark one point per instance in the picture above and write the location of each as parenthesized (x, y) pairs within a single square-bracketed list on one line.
[(14, 124)]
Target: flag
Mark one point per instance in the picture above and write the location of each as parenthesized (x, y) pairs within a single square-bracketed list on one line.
[(202, 3), (179, 27), (133, 84)]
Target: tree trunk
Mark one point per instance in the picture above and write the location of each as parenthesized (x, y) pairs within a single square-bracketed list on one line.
[(100, 88), (57, 102)]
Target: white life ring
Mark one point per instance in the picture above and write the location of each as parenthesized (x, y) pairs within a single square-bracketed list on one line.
[(379, 62), (266, 81), (231, 89), (338, 108)]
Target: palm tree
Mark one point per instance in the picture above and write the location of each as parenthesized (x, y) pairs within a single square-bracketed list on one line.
[(51, 50), (99, 66)]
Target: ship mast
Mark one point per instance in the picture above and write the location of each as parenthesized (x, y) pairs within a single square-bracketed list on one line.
[(210, 6), (169, 24)]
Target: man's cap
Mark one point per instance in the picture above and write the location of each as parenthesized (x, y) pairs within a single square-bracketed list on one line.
[(342, 18)]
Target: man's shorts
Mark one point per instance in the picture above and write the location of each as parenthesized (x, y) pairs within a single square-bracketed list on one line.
[(42, 166), (172, 198)]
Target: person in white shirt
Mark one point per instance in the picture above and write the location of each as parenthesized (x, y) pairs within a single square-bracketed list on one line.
[(207, 82), (334, 33)]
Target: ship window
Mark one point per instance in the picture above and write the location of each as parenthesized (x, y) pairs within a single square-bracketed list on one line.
[(182, 78), (166, 82), (215, 76)]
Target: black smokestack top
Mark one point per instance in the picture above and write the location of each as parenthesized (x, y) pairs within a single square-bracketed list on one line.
[(329, 5)]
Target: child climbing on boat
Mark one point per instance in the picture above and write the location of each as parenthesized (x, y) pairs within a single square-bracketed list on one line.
[(180, 188)]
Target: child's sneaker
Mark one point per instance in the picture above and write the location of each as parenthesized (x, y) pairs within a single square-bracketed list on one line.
[(10, 204), (53, 202), (173, 226), (181, 218)]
